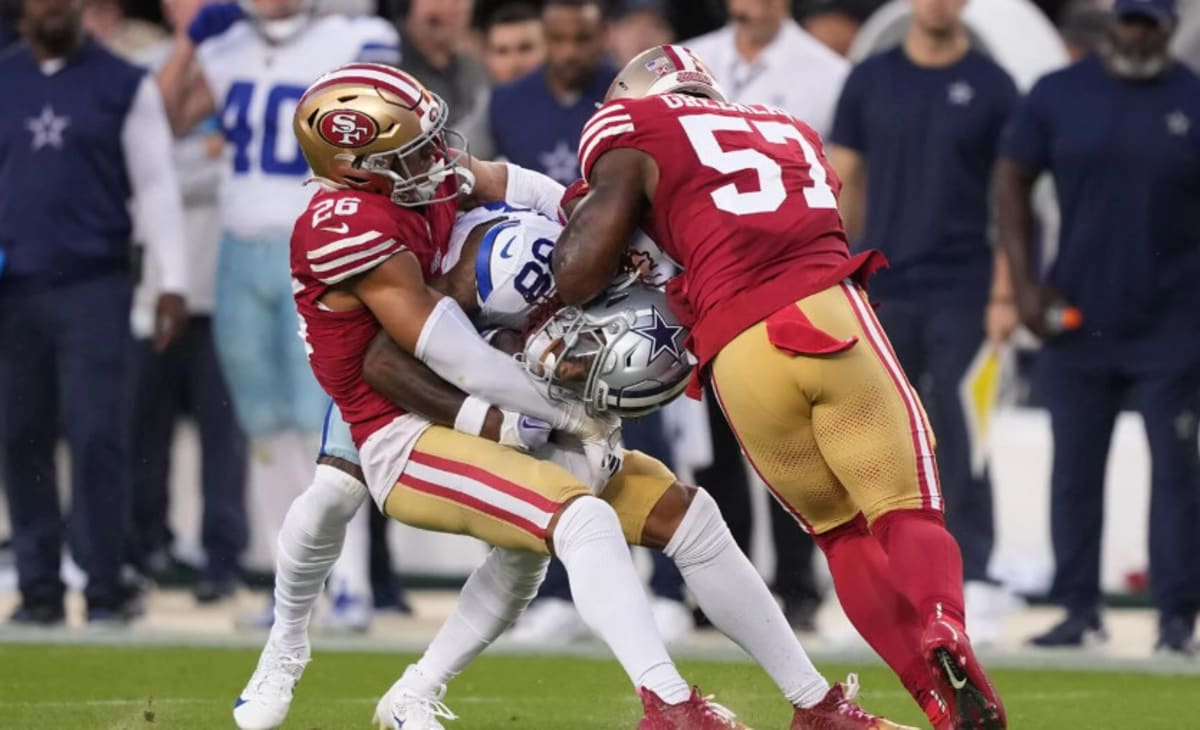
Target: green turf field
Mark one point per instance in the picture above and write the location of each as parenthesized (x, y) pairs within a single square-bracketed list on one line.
[(47, 687)]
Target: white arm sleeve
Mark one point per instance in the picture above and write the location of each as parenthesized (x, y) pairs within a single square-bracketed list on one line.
[(157, 206), (533, 190), (452, 348)]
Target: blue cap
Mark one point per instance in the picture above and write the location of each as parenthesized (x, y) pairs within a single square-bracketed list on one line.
[(1163, 12)]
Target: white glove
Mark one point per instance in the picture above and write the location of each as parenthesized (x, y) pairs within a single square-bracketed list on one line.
[(605, 456), (518, 431), (575, 420)]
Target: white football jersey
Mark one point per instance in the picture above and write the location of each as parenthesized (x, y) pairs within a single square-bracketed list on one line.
[(512, 267), (256, 86)]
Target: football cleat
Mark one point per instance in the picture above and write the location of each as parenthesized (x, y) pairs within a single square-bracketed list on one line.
[(1175, 639), (348, 614), (697, 713), (264, 703), (940, 714), (838, 711), (1077, 630), (403, 709), (960, 678)]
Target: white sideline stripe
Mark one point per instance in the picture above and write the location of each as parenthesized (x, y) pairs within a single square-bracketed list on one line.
[(484, 493), (342, 243), (352, 257), (610, 132), (870, 694), (925, 457)]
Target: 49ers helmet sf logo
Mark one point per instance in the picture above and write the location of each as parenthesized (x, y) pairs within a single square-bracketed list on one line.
[(347, 128)]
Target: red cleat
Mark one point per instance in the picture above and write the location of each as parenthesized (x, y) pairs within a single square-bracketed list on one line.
[(837, 711), (940, 714), (960, 678), (698, 713)]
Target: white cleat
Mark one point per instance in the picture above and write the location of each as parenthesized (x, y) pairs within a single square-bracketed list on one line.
[(403, 709), (264, 703), (348, 614)]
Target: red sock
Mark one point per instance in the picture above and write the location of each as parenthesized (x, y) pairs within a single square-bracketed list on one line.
[(925, 561), (882, 615)]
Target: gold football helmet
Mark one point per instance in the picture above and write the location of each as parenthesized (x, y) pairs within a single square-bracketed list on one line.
[(664, 70), (375, 128)]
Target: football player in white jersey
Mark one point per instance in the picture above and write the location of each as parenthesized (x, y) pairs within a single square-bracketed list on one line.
[(496, 269), (249, 63)]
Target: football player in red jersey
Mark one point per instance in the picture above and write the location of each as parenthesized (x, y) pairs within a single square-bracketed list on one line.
[(742, 198), (362, 254)]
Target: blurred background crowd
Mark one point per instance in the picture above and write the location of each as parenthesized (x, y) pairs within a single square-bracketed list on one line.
[(917, 124)]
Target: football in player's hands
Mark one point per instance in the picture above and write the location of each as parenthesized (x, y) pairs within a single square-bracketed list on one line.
[(214, 19)]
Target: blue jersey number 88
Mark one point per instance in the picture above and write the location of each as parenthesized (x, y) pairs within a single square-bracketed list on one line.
[(534, 280), (239, 132)]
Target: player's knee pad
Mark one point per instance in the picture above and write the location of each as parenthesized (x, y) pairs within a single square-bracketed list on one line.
[(702, 533), (584, 520), (330, 501), (511, 578)]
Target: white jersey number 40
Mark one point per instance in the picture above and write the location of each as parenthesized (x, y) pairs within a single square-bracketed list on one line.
[(701, 131)]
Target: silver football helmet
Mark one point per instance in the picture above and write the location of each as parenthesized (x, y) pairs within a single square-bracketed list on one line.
[(621, 354)]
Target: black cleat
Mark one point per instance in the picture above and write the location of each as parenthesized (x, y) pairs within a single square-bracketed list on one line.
[(39, 614), (1176, 637)]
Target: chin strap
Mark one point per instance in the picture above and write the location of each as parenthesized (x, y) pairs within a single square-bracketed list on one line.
[(466, 179)]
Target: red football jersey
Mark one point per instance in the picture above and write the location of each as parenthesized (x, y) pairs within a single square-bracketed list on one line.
[(746, 205), (342, 234)]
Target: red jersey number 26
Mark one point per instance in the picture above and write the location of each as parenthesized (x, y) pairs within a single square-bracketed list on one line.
[(701, 131)]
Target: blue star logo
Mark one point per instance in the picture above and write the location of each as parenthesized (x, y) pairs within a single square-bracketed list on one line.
[(662, 336)]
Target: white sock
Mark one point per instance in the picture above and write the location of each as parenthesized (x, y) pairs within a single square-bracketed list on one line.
[(351, 573), (734, 597), (309, 543), (491, 600), (610, 597)]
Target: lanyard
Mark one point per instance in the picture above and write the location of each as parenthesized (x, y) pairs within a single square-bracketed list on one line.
[(742, 80)]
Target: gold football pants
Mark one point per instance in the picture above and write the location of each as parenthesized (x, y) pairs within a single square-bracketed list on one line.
[(831, 434), (468, 485)]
